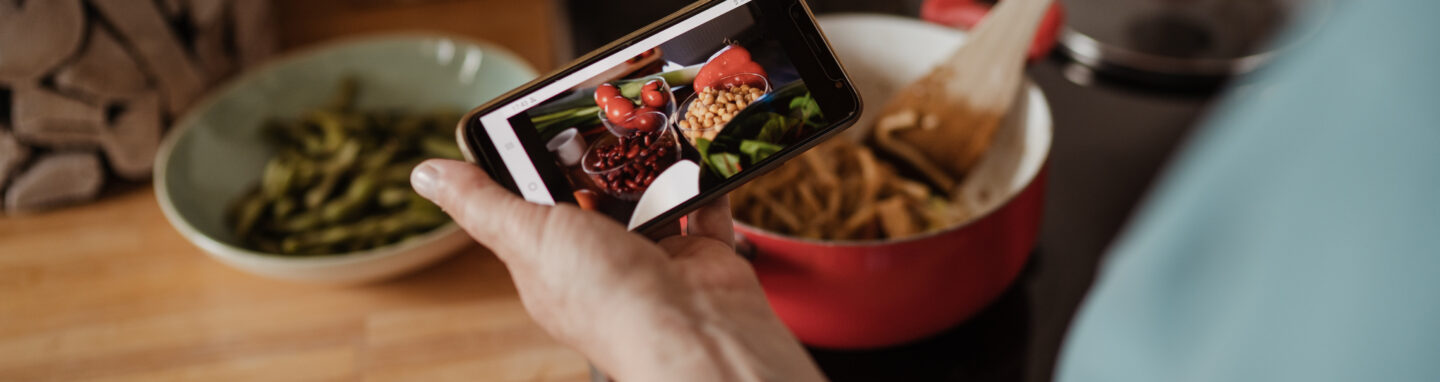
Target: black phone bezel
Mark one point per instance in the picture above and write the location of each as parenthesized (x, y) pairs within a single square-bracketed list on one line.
[(789, 21)]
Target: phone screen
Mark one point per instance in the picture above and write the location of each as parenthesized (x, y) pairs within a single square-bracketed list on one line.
[(665, 119)]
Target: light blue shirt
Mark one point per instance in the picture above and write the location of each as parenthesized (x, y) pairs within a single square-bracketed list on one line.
[(1297, 237)]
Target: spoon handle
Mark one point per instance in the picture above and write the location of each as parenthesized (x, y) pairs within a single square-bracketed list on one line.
[(988, 68)]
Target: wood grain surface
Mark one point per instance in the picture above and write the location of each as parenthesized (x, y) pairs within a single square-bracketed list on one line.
[(527, 27), (110, 292)]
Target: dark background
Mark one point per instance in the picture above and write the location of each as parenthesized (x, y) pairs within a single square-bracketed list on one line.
[(1111, 141)]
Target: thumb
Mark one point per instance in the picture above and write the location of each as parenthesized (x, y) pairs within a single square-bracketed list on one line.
[(486, 210)]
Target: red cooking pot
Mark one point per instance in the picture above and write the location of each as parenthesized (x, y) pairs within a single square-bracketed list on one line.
[(881, 293)]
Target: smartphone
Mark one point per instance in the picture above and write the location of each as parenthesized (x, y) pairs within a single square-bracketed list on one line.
[(651, 126)]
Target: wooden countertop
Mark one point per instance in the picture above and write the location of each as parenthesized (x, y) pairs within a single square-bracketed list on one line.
[(110, 292), (530, 28)]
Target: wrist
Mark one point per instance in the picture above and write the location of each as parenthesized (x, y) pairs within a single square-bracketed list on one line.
[(661, 347), (756, 346), (736, 344)]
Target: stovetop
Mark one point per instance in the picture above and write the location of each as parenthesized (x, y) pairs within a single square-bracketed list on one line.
[(1199, 29), (1110, 142)]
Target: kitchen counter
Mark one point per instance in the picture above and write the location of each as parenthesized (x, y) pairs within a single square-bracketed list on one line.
[(111, 292)]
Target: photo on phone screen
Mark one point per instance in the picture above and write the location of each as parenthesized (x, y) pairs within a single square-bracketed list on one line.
[(695, 105)]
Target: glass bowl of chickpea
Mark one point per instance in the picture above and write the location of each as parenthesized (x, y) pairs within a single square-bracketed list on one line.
[(705, 113)]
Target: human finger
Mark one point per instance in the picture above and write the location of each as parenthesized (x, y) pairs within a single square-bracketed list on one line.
[(713, 221), (487, 211)]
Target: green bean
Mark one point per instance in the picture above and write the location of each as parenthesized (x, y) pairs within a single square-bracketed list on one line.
[(277, 177), (353, 202), (317, 195), (282, 208), (246, 213), (305, 176), (340, 179), (384, 155), (394, 196), (316, 241), (345, 156), (332, 131), (302, 222)]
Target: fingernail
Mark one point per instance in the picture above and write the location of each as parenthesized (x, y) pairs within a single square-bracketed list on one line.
[(424, 179)]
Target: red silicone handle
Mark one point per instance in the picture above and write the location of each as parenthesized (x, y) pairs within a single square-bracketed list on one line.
[(965, 14)]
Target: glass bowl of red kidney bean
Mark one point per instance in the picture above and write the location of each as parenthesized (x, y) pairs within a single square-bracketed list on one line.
[(625, 166)]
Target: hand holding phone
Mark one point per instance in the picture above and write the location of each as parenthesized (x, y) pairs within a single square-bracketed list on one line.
[(670, 117), (628, 304)]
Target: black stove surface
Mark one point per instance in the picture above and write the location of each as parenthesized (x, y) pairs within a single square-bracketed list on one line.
[(1110, 142)]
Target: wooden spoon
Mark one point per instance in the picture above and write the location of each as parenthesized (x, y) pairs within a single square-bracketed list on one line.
[(942, 123)]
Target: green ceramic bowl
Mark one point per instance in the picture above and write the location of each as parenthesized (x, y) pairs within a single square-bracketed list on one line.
[(215, 151)]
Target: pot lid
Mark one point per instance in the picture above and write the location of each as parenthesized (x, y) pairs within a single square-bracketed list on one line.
[(1206, 38)]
